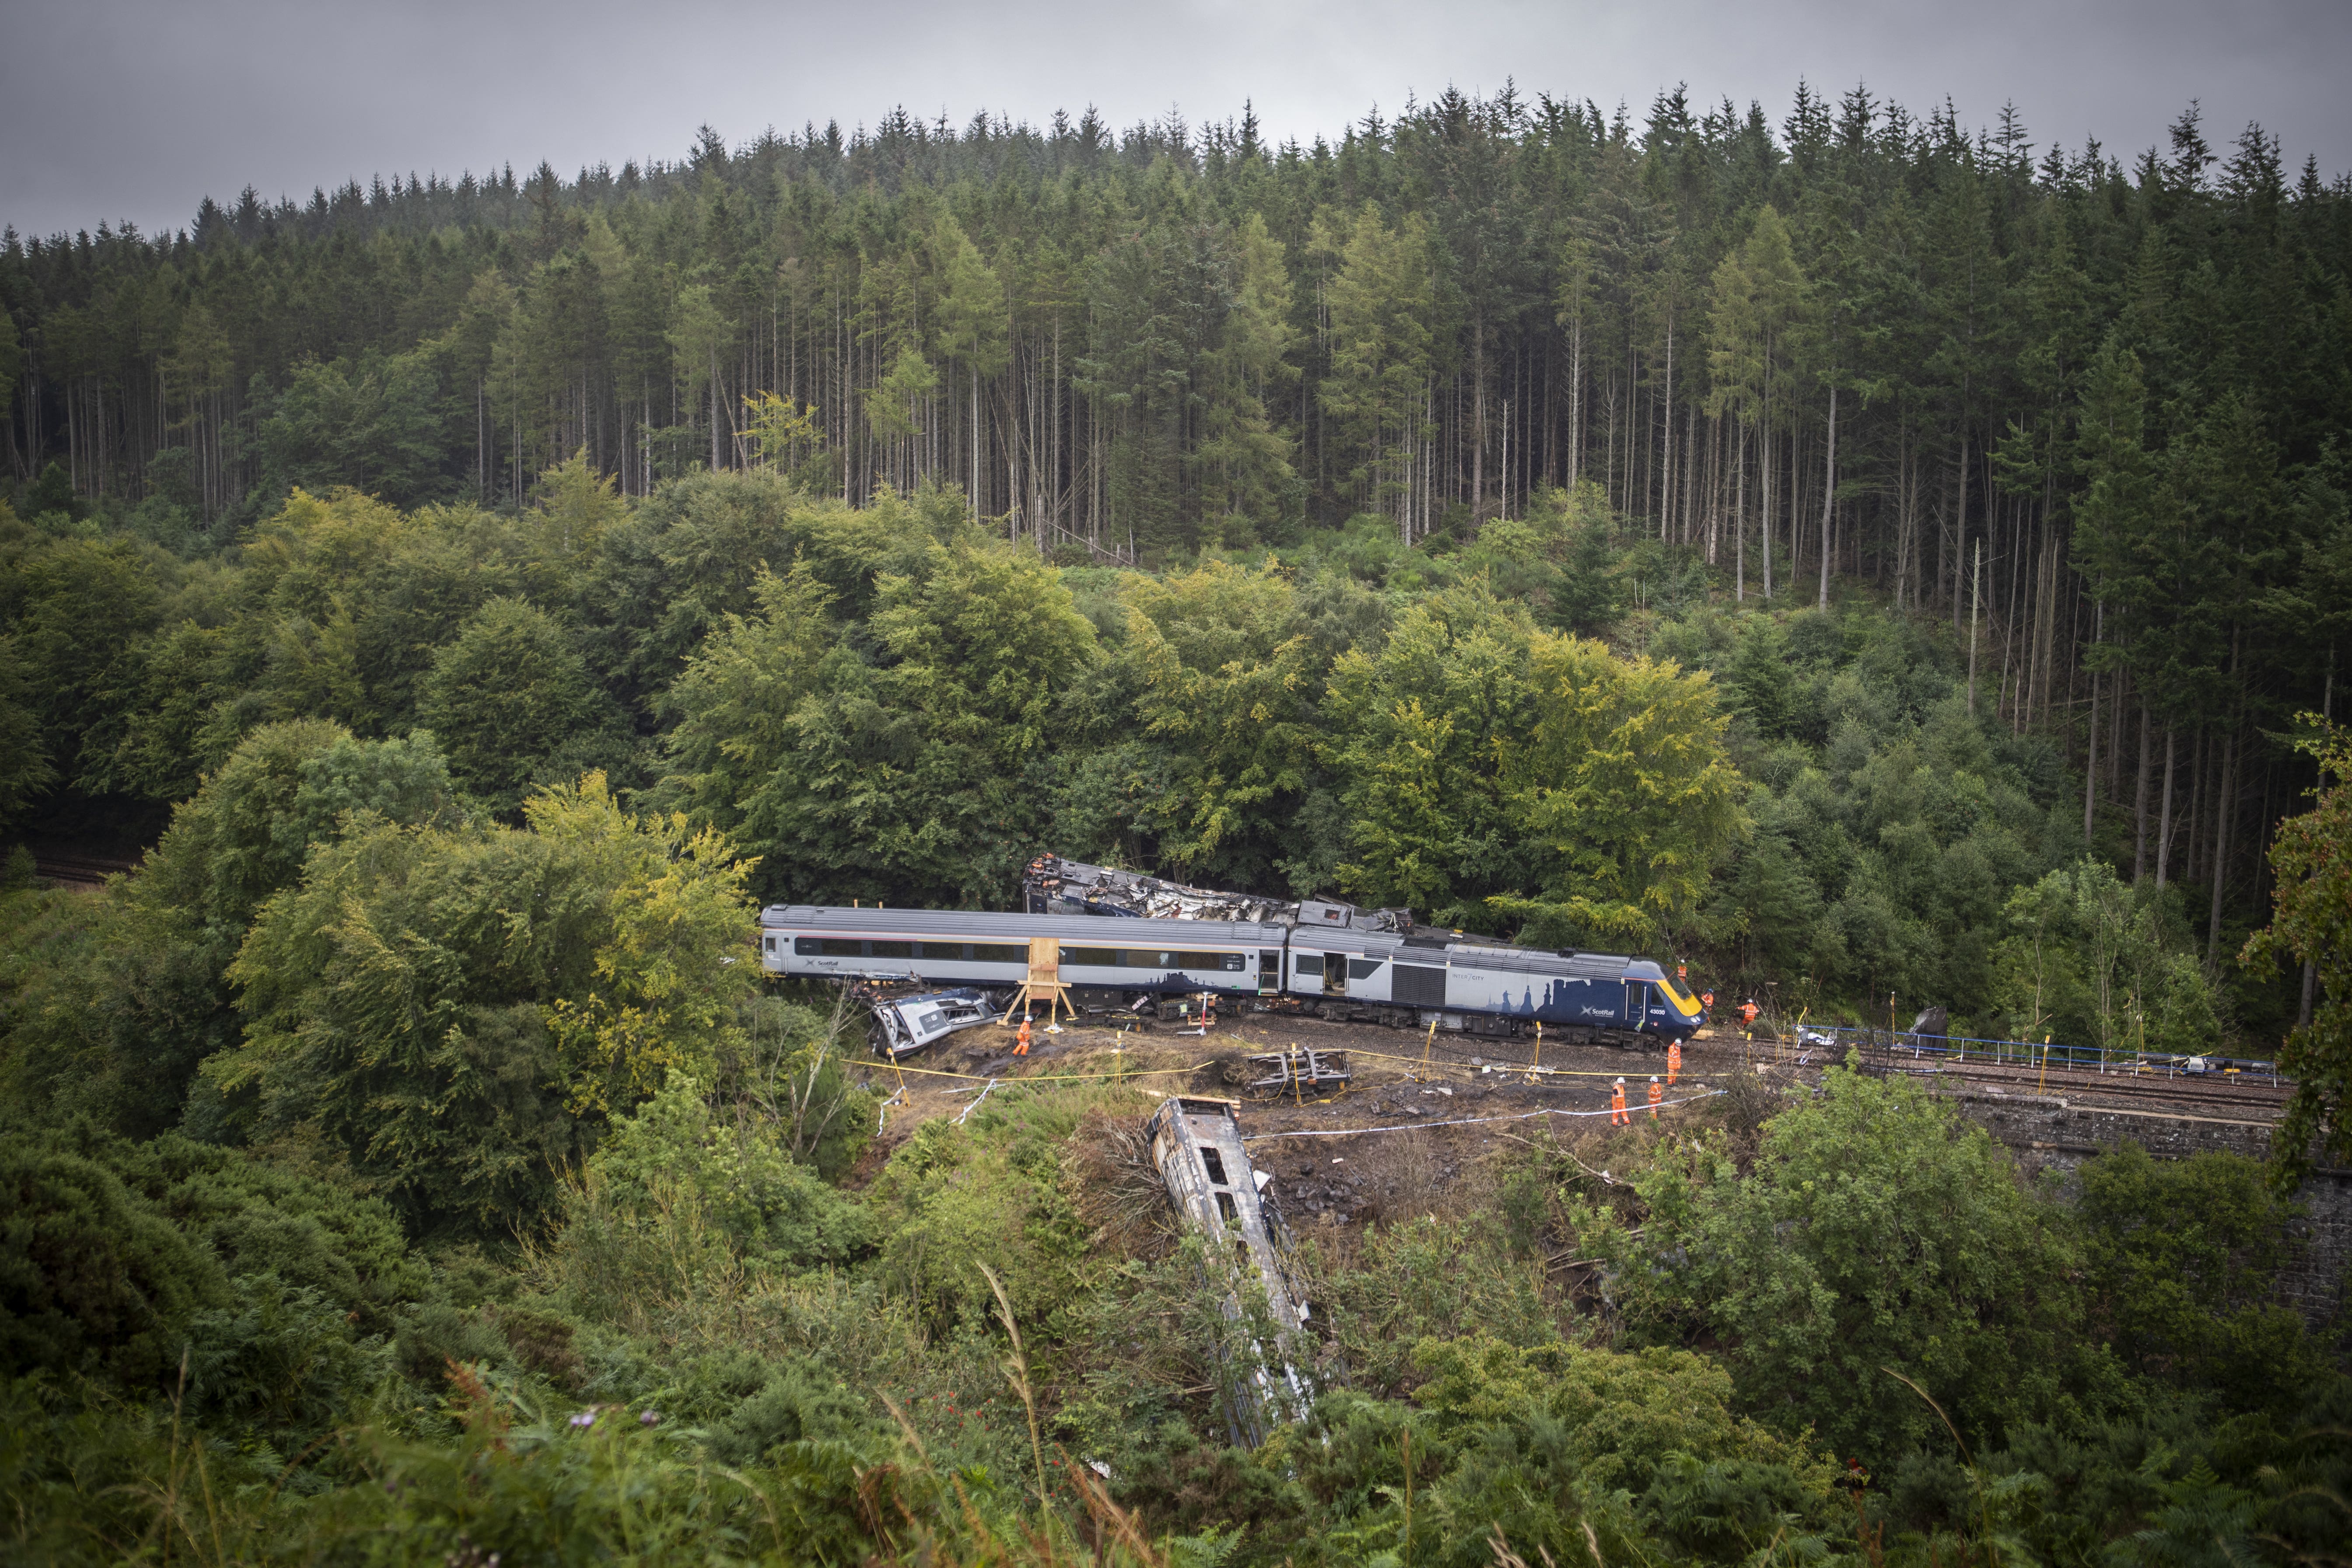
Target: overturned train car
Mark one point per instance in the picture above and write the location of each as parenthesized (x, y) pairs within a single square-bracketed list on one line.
[(1415, 980)]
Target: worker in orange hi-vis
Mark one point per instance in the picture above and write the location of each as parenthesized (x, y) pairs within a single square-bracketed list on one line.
[(1617, 1117), (1747, 1011), (1656, 1094), (1673, 1060), (1021, 1043)]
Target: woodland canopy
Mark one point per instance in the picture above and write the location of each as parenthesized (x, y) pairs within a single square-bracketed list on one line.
[(1865, 561)]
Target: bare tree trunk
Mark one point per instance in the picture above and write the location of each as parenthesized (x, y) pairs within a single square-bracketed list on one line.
[(1740, 519), (2091, 761), (1828, 497), (2139, 803), (2223, 803), (2164, 823), (1975, 599)]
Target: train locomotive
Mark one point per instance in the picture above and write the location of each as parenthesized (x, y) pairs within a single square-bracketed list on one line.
[(1339, 970)]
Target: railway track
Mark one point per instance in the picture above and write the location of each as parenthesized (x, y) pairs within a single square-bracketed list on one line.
[(84, 873), (2190, 1096)]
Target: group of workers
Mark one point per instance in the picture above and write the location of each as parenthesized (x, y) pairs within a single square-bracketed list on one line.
[(1618, 1116)]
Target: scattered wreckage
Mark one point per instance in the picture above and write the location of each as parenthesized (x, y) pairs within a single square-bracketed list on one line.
[(907, 1020), (1054, 886)]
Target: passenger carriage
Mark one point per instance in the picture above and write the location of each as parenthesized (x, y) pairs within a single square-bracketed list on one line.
[(1338, 972)]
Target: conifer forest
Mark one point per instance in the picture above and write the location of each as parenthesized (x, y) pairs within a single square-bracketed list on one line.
[(1877, 563)]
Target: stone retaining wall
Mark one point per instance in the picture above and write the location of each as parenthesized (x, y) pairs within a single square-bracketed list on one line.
[(2050, 1133)]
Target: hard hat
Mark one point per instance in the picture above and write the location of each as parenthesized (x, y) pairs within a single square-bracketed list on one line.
[(1620, 1080)]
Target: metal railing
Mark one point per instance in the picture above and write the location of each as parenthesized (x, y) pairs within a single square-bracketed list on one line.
[(1960, 1049)]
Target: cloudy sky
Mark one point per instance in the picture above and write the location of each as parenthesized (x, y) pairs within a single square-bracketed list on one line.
[(137, 109)]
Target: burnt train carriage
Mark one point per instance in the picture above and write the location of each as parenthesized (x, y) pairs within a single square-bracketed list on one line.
[(1339, 973)]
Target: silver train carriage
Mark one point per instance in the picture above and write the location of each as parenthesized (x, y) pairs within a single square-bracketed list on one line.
[(1431, 977)]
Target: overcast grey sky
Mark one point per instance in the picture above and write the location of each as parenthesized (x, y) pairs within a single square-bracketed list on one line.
[(137, 109)]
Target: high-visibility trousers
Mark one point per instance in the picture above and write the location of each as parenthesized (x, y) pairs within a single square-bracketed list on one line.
[(1617, 1117), (1656, 1094), (1673, 1061), (1021, 1046)]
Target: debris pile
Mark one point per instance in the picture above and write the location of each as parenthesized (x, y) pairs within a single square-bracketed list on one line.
[(907, 1020), (1053, 886)]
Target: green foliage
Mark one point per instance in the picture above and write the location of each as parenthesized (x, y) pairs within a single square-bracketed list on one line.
[(1876, 1231), (25, 771), (259, 1297), (511, 701), (394, 1003), (2090, 959), (1493, 767), (676, 1181), (1440, 366), (96, 1282), (902, 766), (2312, 920), (370, 424), (1627, 1415), (118, 1034), (2183, 1257), (1890, 828), (988, 1192)]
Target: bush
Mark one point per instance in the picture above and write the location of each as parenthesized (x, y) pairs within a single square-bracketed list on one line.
[(1877, 1231)]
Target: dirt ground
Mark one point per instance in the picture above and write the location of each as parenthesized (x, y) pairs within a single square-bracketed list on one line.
[(1417, 1125), (1412, 1130)]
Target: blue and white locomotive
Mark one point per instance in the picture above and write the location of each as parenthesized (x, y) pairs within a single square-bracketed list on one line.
[(1340, 972)]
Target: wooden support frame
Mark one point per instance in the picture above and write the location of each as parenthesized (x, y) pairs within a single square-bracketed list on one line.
[(1045, 983)]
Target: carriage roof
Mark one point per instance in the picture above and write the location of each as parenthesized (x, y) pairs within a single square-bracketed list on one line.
[(1088, 931)]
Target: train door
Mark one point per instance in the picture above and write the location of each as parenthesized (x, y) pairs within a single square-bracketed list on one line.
[(1637, 1004), (1334, 975), (1269, 971)]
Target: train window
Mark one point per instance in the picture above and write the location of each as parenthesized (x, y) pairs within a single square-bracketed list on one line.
[(999, 953), (771, 944), (892, 949), (825, 947), (1363, 968), (1140, 958), (1092, 957), (1307, 962), (1226, 1211), (1219, 961), (948, 950), (1216, 1164)]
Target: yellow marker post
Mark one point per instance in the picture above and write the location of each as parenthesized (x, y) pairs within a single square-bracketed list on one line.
[(1298, 1093), (2044, 1085), (1538, 1061), (1429, 1044)]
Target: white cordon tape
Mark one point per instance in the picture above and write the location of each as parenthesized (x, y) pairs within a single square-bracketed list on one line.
[(1630, 1109)]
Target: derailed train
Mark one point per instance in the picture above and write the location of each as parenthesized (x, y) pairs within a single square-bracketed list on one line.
[(1414, 978)]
